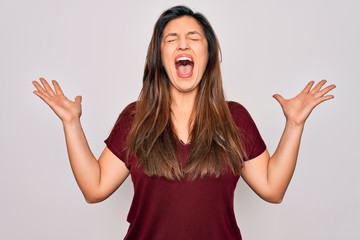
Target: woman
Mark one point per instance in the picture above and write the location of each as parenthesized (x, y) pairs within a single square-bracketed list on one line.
[(183, 144)]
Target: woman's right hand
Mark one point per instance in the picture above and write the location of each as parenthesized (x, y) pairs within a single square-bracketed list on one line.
[(68, 111)]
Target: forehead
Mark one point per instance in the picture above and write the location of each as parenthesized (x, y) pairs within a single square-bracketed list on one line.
[(183, 24)]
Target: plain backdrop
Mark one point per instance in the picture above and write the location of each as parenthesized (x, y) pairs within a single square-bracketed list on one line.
[(97, 49)]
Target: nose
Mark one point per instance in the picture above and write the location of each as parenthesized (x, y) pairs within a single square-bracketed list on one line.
[(183, 44)]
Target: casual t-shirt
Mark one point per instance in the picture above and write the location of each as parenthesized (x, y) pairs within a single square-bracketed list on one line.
[(164, 209)]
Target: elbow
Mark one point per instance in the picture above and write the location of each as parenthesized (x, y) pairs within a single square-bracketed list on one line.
[(274, 198), (93, 198)]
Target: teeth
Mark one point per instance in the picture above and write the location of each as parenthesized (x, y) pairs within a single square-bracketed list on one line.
[(183, 59)]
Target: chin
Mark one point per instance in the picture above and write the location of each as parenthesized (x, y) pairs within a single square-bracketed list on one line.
[(183, 86)]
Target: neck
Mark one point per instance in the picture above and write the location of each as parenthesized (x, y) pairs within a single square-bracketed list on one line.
[(183, 101), (182, 106)]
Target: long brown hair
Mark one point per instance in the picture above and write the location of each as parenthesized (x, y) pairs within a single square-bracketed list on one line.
[(215, 140)]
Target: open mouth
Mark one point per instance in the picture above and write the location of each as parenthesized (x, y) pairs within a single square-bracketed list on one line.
[(184, 66)]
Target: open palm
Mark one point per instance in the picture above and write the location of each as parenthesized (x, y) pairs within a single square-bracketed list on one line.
[(298, 108), (68, 111)]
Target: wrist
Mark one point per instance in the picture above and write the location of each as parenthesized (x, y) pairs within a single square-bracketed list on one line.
[(294, 125), (71, 123)]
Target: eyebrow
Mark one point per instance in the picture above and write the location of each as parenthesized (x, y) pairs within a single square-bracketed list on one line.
[(170, 35), (175, 34), (194, 32)]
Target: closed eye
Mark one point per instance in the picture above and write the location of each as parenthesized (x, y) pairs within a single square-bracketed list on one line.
[(194, 39), (171, 37), (194, 36)]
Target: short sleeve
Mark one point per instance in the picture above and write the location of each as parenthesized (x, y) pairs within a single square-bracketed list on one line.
[(253, 143), (116, 141)]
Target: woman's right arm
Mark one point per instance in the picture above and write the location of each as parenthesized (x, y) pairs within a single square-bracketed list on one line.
[(97, 179)]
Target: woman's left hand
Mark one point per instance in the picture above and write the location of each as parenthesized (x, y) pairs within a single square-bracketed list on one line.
[(298, 108)]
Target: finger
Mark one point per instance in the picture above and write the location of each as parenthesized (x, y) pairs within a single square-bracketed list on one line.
[(279, 98), (57, 88), (78, 99), (41, 92), (38, 86), (326, 90), (42, 95), (318, 86), (47, 87), (323, 99), (308, 87)]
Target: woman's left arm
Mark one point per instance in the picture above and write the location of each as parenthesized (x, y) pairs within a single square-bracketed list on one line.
[(269, 176)]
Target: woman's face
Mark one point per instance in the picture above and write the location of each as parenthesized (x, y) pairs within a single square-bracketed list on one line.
[(184, 52)]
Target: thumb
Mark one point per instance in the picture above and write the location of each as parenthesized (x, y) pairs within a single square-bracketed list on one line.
[(78, 99), (279, 98)]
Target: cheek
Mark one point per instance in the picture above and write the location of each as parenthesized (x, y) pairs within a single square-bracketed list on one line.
[(166, 57), (204, 55), (204, 59)]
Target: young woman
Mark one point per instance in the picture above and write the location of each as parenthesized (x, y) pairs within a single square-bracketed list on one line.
[(183, 144)]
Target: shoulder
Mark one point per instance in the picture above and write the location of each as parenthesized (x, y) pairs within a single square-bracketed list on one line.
[(116, 140), (237, 110), (122, 126), (253, 143), (233, 106), (130, 109), (241, 116), (126, 116)]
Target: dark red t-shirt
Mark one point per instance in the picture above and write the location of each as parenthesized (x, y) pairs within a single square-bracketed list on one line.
[(183, 210)]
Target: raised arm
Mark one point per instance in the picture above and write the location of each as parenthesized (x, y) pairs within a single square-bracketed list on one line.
[(269, 176), (97, 179)]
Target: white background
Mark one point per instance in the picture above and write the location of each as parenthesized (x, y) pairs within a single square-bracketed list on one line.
[(97, 49)]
